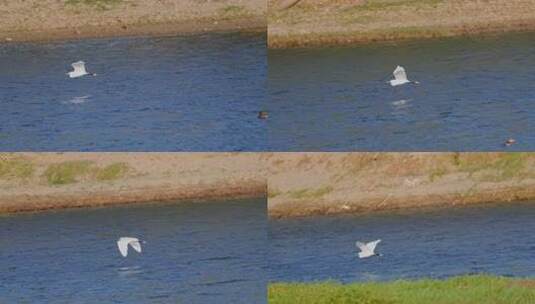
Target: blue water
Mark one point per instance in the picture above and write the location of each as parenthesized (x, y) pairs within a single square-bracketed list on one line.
[(496, 239), (473, 95), (192, 93), (210, 252)]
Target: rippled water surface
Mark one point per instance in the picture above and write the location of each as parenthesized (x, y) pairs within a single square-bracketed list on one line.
[(194, 93), (194, 253), (495, 239), (473, 95)]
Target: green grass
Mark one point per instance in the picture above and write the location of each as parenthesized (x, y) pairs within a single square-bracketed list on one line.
[(502, 167), (99, 4), (381, 5), (310, 193), (111, 172), (273, 193), (358, 13), (233, 11), (67, 172), (458, 290), (15, 168), (73, 171), (511, 165), (437, 173)]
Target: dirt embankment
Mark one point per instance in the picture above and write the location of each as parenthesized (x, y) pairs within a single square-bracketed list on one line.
[(335, 22), (39, 181), (303, 184), (297, 184), (41, 20)]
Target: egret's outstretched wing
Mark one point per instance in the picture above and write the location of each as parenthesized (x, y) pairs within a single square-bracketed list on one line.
[(364, 250), (136, 245), (79, 66), (372, 245), (400, 74), (122, 244)]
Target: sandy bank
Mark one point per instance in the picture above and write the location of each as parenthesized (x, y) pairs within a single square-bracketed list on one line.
[(322, 22), (298, 184), (34, 20), (303, 184), (38, 181)]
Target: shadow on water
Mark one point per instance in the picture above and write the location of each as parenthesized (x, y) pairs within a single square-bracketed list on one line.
[(473, 95), (211, 252), (437, 243)]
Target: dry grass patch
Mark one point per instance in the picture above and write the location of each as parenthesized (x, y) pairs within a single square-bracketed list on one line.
[(102, 5), (70, 172), (310, 193), (15, 168)]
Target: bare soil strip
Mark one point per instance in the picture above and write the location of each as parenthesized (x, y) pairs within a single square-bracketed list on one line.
[(302, 184), (320, 22), (36, 20), (39, 181), (296, 184)]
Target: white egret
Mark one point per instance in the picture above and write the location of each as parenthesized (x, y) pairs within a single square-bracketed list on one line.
[(400, 77), (123, 243), (79, 70), (367, 250)]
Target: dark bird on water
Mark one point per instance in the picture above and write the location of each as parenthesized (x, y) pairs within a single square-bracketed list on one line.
[(509, 142), (262, 115)]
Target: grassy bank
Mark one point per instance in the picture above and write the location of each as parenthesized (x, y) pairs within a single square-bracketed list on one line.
[(457, 290), (38, 181), (321, 22), (38, 20), (303, 184)]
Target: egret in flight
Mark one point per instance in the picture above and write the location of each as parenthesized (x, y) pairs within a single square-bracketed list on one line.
[(367, 250), (79, 70), (123, 243), (400, 77)]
